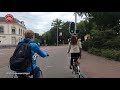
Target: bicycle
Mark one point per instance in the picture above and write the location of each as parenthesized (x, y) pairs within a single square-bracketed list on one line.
[(26, 74), (76, 69)]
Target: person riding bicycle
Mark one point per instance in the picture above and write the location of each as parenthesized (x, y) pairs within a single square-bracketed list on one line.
[(29, 37), (74, 47)]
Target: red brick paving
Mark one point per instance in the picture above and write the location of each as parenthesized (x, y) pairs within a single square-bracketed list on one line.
[(99, 67), (5, 54), (92, 66)]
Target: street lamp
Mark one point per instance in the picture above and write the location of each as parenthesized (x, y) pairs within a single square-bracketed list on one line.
[(75, 21), (57, 34), (60, 34)]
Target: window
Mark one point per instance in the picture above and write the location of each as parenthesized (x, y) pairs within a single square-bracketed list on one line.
[(13, 30), (23, 32), (1, 29), (19, 31)]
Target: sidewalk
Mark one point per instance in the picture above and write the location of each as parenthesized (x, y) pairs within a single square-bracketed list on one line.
[(99, 67)]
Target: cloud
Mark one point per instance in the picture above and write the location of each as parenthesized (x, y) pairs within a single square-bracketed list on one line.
[(40, 22)]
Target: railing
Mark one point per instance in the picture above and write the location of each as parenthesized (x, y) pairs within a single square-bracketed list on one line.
[(7, 46)]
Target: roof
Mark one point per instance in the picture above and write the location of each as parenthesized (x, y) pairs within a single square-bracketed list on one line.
[(2, 19)]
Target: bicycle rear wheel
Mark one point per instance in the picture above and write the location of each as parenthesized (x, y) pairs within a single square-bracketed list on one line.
[(78, 73)]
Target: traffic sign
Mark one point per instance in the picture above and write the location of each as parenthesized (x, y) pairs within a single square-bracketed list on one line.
[(9, 18)]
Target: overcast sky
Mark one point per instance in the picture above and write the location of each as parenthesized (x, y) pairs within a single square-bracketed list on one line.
[(40, 22)]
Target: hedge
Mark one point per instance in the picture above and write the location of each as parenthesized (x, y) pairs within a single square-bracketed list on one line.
[(108, 53)]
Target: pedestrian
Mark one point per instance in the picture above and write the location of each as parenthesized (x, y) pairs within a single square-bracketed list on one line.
[(74, 47)]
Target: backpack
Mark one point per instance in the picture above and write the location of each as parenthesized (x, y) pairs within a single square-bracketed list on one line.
[(21, 57)]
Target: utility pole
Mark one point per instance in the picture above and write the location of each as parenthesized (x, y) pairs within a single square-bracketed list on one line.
[(75, 21), (57, 32)]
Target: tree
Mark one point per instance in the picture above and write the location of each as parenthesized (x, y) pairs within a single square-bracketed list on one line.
[(37, 38), (50, 36), (37, 35), (65, 32), (56, 22), (103, 20)]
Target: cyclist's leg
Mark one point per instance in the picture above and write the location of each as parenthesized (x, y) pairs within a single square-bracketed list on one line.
[(71, 61), (37, 72), (77, 55)]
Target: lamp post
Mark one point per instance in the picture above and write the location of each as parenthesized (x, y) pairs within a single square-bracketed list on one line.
[(57, 34), (60, 34), (75, 21)]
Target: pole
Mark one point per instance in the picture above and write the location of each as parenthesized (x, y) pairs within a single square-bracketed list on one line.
[(75, 22), (57, 35)]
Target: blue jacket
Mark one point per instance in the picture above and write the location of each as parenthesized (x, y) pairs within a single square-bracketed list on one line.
[(34, 49)]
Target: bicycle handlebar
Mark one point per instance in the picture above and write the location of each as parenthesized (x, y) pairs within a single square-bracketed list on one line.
[(36, 56)]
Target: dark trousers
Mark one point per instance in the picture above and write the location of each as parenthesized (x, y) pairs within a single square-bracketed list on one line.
[(74, 56), (37, 72)]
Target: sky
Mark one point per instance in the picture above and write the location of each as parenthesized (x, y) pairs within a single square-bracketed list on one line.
[(40, 22)]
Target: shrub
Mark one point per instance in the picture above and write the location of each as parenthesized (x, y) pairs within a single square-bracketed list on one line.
[(111, 54), (87, 44), (113, 43), (108, 53), (95, 51)]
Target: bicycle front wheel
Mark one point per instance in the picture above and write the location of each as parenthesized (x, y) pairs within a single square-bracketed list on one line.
[(78, 74)]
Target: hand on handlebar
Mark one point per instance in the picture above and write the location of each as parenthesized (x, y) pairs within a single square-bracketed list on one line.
[(47, 53)]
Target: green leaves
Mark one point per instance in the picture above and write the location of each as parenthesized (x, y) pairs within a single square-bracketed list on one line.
[(108, 53), (51, 35)]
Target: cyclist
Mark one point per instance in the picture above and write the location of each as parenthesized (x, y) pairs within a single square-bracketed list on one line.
[(74, 48), (79, 40), (29, 37)]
